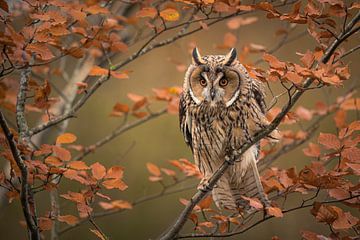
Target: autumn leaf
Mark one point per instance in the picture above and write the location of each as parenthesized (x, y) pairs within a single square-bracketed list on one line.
[(153, 169), (274, 211), (97, 233), (98, 171), (66, 138), (170, 14), (98, 71), (45, 223), (62, 153), (273, 61), (68, 219), (115, 172), (114, 183), (313, 150), (237, 22), (146, 12), (78, 165), (206, 202), (254, 202), (329, 141)]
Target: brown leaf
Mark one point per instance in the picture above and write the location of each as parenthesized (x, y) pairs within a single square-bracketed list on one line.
[(206, 202), (66, 138), (313, 150), (97, 233), (254, 202), (274, 211), (45, 223), (4, 6), (329, 141), (69, 219), (273, 61)]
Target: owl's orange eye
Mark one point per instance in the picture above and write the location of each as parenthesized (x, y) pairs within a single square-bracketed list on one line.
[(203, 82), (223, 82)]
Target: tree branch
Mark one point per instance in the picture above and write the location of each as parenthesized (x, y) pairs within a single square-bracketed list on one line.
[(178, 225), (25, 193), (117, 132)]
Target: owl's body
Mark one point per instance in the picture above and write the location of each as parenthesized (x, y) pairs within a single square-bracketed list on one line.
[(221, 108)]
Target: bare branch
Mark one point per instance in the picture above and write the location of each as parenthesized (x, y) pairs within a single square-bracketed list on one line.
[(117, 132)]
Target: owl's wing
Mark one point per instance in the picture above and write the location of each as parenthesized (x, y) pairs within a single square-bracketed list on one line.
[(185, 122), (259, 95)]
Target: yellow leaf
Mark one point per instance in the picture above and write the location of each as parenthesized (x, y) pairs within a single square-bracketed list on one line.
[(170, 14)]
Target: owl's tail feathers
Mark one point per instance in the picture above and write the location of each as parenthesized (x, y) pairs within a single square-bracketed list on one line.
[(224, 196)]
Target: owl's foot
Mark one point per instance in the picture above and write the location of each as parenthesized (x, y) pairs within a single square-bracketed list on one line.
[(204, 185)]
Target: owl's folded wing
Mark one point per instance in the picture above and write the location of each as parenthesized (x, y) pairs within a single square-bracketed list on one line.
[(185, 122)]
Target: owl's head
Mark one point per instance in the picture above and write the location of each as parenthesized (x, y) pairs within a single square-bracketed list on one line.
[(214, 80)]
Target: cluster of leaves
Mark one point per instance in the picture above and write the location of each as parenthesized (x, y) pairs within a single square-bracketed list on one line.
[(169, 95), (48, 165)]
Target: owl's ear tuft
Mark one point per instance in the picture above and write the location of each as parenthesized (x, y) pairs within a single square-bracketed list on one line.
[(196, 57), (230, 57)]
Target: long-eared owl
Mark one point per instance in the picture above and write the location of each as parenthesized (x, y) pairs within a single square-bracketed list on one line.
[(221, 108)]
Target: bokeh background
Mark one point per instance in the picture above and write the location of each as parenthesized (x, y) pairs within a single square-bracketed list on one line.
[(160, 140)]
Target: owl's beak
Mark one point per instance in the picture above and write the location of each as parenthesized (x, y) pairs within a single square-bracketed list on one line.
[(212, 93)]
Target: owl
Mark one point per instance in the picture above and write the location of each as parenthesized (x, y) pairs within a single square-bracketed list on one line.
[(221, 108)]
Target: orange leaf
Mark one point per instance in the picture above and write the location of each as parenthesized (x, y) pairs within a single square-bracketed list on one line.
[(254, 202), (62, 153), (69, 219), (66, 138), (121, 204), (274, 62), (153, 169), (147, 12), (78, 165), (51, 160), (45, 223), (206, 202), (97, 233), (114, 183), (116, 172), (98, 171), (168, 172), (170, 14), (98, 71), (274, 211), (329, 141)]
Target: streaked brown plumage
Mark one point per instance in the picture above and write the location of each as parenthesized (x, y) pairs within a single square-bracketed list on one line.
[(220, 109)]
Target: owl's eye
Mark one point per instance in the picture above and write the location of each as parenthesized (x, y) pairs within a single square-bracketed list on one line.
[(203, 82), (223, 82)]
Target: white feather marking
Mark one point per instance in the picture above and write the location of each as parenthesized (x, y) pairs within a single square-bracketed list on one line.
[(196, 100), (232, 100)]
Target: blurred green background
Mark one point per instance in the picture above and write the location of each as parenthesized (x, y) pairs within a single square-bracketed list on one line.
[(160, 140)]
